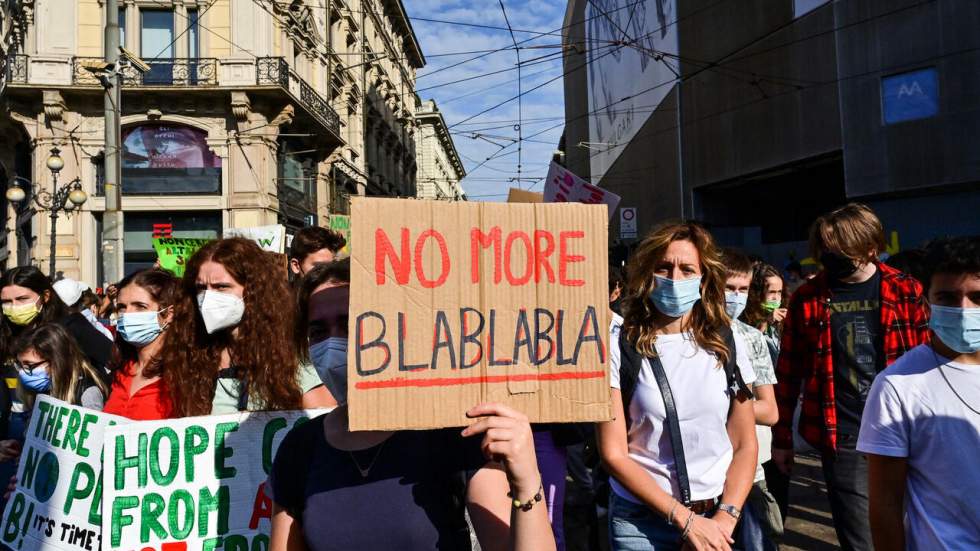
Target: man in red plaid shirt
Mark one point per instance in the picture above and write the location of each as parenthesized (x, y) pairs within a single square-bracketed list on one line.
[(852, 320)]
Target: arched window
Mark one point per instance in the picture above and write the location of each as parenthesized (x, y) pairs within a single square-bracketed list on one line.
[(168, 159)]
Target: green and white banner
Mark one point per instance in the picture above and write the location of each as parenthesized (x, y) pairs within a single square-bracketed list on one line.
[(57, 503), (89, 481), (196, 483)]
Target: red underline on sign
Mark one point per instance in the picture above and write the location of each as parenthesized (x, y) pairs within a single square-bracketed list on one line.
[(402, 382)]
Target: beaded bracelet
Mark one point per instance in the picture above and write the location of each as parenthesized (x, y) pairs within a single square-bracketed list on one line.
[(526, 506)]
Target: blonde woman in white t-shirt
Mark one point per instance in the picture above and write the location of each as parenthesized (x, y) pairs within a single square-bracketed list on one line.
[(674, 310)]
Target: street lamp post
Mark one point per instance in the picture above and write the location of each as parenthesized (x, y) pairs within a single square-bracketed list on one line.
[(64, 199)]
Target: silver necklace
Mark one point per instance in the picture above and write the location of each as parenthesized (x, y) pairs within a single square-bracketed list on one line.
[(950, 385), (367, 471)]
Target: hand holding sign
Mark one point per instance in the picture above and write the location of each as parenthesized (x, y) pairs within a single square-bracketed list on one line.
[(507, 440)]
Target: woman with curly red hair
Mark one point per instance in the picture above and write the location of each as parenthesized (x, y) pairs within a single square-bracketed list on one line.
[(231, 345)]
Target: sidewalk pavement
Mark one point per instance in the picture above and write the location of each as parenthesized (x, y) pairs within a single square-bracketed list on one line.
[(810, 526)]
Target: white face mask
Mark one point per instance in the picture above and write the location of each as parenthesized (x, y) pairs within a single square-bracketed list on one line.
[(219, 310)]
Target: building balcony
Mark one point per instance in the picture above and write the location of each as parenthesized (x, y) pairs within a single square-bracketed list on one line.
[(268, 74), (163, 72), (275, 71)]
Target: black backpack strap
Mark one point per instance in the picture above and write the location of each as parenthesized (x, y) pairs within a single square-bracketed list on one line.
[(630, 363), (232, 373), (673, 427), (733, 375)]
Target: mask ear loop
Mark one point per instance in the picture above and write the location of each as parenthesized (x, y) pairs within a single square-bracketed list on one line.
[(160, 312)]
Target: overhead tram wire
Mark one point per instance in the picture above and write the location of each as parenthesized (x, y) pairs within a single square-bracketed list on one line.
[(713, 66), (520, 95)]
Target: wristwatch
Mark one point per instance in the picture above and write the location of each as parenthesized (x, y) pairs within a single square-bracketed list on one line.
[(730, 509)]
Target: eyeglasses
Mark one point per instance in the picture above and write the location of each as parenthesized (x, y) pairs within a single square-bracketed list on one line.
[(29, 368)]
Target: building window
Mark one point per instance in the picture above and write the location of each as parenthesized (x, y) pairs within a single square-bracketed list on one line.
[(122, 26), (193, 34), (138, 233), (297, 168), (910, 96), (165, 159), (157, 45)]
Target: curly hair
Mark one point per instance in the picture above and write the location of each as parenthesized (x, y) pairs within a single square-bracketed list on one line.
[(708, 318), (754, 314), (164, 289), (263, 351)]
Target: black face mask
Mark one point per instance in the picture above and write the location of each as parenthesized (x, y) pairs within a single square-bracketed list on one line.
[(617, 305), (837, 266)]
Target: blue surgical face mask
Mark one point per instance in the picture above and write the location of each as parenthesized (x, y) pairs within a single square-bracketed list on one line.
[(958, 328), (139, 328), (38, 380), (329, 357), (735, 303), (675, 297)]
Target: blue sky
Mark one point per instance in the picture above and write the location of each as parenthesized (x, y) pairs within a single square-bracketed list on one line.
[(542, 108)]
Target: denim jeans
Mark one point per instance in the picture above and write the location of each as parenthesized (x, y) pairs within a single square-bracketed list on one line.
[(846, 474), (751, 536), (635, 527)]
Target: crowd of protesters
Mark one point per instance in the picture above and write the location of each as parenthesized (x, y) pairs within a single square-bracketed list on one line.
[(718, 362)]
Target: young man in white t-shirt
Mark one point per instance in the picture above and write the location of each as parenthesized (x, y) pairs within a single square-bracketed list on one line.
[(753, 535), (921, 423)]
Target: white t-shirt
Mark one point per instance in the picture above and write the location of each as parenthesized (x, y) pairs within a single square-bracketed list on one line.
[(700, 390), (912, 412)]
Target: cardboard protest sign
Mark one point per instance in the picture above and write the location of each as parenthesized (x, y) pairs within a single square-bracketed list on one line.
[(562, 186), (193, 483), (270, 238), (523, 196), (340, 223), (57, 504), (174, 252), (454, 304)]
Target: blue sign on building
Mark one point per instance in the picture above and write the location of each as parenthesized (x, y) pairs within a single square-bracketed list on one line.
[(910, 96)]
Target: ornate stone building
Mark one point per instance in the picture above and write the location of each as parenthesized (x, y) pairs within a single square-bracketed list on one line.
[(253, 112), (440, 168)]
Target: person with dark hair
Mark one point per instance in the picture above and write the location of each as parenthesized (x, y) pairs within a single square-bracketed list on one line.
[(313, 245), (145, 302), (765, 309), (405, 490), (921, 424), (323, 303), (761, 521), (910, 261), (29, 301), (843, 327), (676, 352), (231, 341)]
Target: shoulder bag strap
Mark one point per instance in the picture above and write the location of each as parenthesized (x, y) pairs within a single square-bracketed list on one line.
[(673, 427)]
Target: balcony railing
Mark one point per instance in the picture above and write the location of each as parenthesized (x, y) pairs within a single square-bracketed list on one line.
[(17, 69), (188, 72), (275, 71), (197, 71)]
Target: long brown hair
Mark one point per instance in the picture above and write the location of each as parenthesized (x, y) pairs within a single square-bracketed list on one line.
[(755, 315), (263, 351), (708, 317), (66, 363), (164, 289)]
